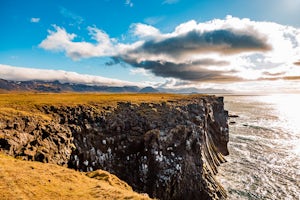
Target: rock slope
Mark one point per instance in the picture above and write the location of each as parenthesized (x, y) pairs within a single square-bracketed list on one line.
[(169, 150)]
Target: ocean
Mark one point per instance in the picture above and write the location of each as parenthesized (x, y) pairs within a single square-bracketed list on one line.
[(264, 147)]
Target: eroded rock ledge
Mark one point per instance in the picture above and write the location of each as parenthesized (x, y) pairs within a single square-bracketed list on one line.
[(169, 150)]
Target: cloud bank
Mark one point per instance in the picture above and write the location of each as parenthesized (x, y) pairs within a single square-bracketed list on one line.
[(8, 72), (221, 50)]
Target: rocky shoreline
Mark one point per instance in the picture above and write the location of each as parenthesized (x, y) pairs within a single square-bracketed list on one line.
[(170, 150)]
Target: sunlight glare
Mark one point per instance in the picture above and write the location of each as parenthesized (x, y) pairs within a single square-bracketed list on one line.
[(288, 112)]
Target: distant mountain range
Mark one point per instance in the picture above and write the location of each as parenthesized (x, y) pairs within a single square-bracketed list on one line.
[(57, 87), (193, 90)]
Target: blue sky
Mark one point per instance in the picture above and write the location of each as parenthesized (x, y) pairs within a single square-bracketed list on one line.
[(84, 36)]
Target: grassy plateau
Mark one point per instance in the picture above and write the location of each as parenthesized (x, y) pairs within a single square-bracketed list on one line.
[(28, 104)]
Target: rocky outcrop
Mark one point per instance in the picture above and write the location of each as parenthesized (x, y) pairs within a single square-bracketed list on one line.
[(169, 150)]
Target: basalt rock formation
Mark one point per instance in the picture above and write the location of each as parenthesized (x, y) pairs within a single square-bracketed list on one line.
[(169, 150)]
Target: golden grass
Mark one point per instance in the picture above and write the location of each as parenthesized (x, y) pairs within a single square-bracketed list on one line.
[(33, 180), (27, 104)]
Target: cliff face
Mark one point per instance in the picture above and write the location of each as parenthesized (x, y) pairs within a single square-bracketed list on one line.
[(169, 150)]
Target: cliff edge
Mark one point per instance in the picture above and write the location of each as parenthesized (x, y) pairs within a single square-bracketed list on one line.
[(169, 149)]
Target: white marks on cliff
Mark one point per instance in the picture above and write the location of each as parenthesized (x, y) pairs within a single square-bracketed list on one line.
[(76, 161), (178, 167), (144, 168), (159, 156), (86, 162), (109, 151), (223, 129), (188, 145), (103, 157), (92, 152), (169, 148)]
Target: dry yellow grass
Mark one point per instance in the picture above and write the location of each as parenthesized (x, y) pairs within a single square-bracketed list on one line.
[(33, 180), (27, 104)]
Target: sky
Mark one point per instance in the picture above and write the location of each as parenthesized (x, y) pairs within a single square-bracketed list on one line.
[(236, 45)]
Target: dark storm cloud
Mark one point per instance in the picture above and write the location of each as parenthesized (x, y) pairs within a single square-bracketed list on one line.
[(274, 74), (279, 76), (291, 78), (185, 71), (195, 42), (183, 47), (114, 61), (287, 78), (297, 63)]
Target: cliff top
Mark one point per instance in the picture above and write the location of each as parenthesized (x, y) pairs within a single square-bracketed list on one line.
[(29, 104), (47, 181)]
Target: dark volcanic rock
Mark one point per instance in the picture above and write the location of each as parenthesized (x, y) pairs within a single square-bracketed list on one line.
[(33, 140), (233, 116), (169, 150)]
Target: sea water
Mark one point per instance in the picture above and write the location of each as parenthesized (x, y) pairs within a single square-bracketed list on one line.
[(264, 146)]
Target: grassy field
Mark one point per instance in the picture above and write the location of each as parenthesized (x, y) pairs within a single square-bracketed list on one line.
[(33, 180), (27, 104)]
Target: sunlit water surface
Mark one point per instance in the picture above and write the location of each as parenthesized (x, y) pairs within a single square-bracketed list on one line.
[(264, 161)]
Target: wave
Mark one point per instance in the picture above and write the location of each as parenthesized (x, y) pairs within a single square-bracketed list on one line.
[(264, 161)]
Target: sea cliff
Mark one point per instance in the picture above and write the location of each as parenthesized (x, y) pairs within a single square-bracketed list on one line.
[(169, 149)]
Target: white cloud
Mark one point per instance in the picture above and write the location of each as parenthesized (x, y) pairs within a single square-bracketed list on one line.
[(35, 20), (140, 71), (170, 1), (8, 72), (252, 87), (185, 27), (144, 31), (60, 40), (268, 53), (129, 3)]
